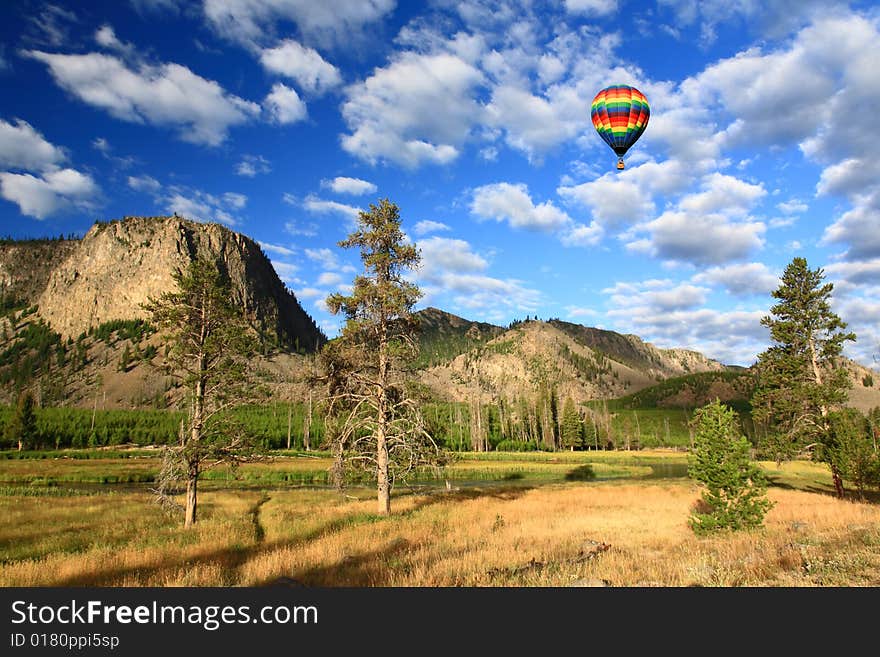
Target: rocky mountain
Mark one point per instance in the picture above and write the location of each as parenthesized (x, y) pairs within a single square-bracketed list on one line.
[(118, 265), (25, 267), (581, 362), (72, 325)]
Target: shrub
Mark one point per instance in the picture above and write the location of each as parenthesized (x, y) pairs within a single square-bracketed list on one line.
[(734, 487)]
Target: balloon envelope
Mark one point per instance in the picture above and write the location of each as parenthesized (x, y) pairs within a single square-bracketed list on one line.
[(620, 115)]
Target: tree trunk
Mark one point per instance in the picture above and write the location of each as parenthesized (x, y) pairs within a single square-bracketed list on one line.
[(838, 481), (192, 483), (307, 430), (383, 487)]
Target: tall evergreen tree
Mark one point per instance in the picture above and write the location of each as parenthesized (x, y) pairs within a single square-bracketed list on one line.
[(377, 427), (22, 427), (800, 376), (208, 346), (572, 427)]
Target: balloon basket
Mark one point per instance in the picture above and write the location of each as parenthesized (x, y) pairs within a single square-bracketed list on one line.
[(620, 165)]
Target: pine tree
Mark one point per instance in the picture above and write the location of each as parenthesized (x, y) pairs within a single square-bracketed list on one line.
[(800, 378), (734, 487), (22, 427), (572, 427), (208, 344), (376, 426)]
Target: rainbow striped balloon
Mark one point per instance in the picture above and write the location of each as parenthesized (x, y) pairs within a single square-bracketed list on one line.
[(620, 115)]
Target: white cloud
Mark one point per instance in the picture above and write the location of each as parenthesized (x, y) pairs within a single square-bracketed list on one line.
[(305, 65), (51, 25), (353, 186), (297, 229), (442, 254), (201, 206), (591, 7), (854, 273), (106, 38), (699, 239), (144, 6), (722, 194), (161, 95), (657, 295), (512, 203), (427, 226), (284, 105), (50, 193), (707, 227), (286, 271), (614, 201), (450, 267), (583, 235), (741, 280), (418, 109), (253, 165), (22, 147), (277, 249), (324, 256), (534, 124), (792, 206), (859, 228), (576, 312), (144, 184), (310, 293), (337, 22), (235, 200), (329, 279), (321, 206), (671, 314)]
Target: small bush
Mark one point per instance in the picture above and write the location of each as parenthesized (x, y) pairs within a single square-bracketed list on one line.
[(734, 487), (581, 473)]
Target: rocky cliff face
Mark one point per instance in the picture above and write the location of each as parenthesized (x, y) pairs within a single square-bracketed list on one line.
[(25, 267), (119, 265)]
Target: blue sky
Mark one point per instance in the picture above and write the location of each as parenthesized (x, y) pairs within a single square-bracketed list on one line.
[(282, 118)]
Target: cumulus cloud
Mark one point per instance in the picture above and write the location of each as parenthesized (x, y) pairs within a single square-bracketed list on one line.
[(162, 95), (312, 73), (353, 186), (427, 226), (657, 295), (418, 109), (277, 249), (144, 183), (591, 7), (707, 227), (859, 228), (741, 280), (699, 239), (35, 179), (318, 205), (450, 268), (22, 147), (325, 257), (251, 22), (283, 105), (53, 191), (512, 203), (673, 314), (253, 165), (329, 279)]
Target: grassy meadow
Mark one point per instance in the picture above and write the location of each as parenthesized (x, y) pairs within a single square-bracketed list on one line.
[(534, 519)]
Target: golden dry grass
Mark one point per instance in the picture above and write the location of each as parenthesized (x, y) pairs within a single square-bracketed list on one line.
[(492, 536)]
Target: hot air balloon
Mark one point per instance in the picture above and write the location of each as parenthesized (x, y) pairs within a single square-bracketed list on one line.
[(620, 115)]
